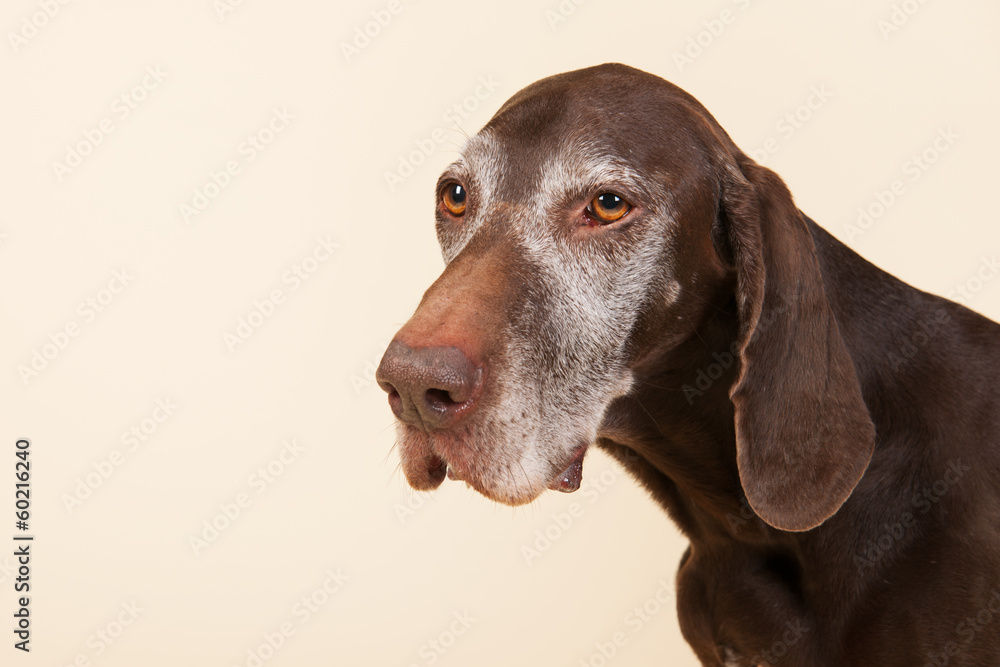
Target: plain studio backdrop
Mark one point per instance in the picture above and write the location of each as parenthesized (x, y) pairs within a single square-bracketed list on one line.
[(215, 215)]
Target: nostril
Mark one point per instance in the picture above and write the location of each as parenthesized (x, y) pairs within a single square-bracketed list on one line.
[(395, 400), (428, 387), (439, 399)]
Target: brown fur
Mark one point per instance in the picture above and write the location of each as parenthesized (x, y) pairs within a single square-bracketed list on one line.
[(824, 434)]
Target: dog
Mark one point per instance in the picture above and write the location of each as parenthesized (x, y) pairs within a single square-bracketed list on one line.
[(620, 275)]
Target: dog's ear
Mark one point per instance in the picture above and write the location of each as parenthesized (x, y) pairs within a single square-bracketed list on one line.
[(803, 433)]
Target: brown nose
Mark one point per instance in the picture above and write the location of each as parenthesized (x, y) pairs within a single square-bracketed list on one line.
[(428, 387)]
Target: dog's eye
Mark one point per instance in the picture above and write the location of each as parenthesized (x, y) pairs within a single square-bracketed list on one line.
[(453, 197), (608, 207)]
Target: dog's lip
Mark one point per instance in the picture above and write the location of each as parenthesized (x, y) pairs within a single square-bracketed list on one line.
[(569, 480)]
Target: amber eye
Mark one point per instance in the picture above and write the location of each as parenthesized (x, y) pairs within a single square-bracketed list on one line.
[(453, 198), (608, 207)]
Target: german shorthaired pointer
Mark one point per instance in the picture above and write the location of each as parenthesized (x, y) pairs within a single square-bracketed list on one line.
[(620, 274)]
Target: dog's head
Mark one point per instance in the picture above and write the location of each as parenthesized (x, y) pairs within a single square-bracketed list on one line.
[(588, 229)]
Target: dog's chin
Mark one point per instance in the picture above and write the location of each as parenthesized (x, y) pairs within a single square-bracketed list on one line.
[(428, 458)]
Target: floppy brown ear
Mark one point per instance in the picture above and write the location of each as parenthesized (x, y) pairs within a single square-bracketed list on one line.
[(803, 433)]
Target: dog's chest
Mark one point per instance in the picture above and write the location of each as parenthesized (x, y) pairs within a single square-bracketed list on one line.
[(741, 611)]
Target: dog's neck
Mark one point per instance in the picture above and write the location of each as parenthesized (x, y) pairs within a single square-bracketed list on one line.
[(675, 431)]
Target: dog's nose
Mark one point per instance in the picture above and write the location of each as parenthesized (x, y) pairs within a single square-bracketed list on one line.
[(429, 387)]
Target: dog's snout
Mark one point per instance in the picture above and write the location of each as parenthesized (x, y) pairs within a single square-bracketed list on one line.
[(428, 387)]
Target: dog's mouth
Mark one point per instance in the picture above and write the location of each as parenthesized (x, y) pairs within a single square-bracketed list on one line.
[(428, 461), (567, 481)]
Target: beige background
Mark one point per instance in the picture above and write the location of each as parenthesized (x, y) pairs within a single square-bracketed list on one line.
[(415, 563)]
